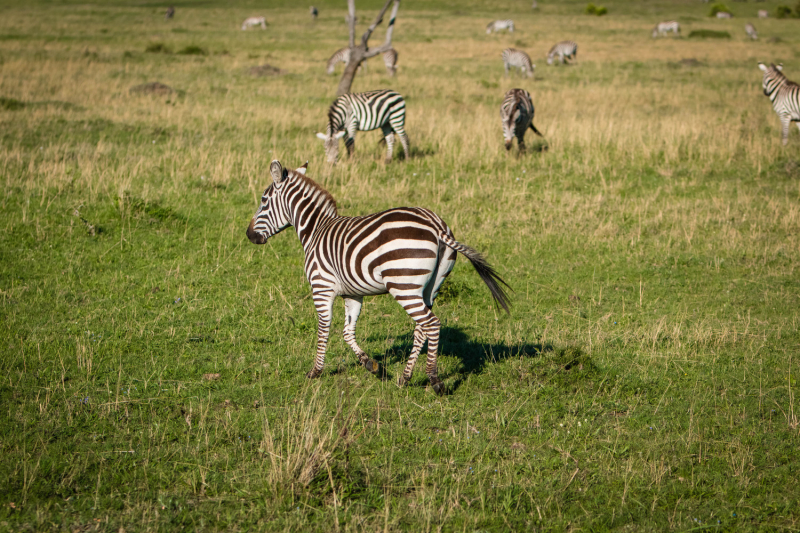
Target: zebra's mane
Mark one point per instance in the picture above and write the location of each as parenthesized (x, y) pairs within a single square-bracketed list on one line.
[(308, 183)]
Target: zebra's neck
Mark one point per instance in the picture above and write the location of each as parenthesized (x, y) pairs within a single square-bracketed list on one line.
[(337, 115), (310, 205), (778, 80)]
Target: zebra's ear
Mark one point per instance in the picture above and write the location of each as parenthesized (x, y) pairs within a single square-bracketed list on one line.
[(340, 134), (322, 136), (277, 171), (302, 170), (762, 66), (779, 66)]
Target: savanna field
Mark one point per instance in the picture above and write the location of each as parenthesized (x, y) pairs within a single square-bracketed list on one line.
[(153, 360)]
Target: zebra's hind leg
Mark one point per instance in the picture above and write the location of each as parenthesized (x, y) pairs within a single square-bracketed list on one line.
[(521, 145), (404, 142), (388, 134), (419, 341), (323, 301), (352, 309), (429, 325)]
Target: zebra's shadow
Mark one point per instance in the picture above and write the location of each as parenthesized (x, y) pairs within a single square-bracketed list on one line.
[(473, 355)]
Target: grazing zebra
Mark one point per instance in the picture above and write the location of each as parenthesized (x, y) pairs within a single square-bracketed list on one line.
[(750, 30), (406, 252), (367, 111), (314, 12), (564, 50), (390, 60), (499, 25), (254, 21), (763, 14), (517, 58), (785, 96), (342, 55), (724, 15), (516, 113), (662, 28), (170, 13)]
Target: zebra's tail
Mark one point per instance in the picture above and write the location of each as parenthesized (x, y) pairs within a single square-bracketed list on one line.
[(484, 269), (537, 132)]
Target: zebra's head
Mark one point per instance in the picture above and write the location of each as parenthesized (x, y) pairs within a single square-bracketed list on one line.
[(550, 59), (509, 126), (771, 73), (331, 141), (273, 215), (655, 32)]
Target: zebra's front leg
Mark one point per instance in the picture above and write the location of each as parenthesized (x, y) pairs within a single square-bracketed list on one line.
[(521, 145), (785, 121), (506, 66), (419, 341), (404, 142), (388, 134), (352, 309), (323, 301)]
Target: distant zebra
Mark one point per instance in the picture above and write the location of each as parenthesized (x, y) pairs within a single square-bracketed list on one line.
[(390, 61), (314, 12), (662, 28), (499, 25), (785, 97), (750, 30), (535, 5), (407, 252), (517, 58), (254, 21), (564, 50), (367, 111), (342, 55), (763, 14), (516, 113), (170, 13), (724, 15)]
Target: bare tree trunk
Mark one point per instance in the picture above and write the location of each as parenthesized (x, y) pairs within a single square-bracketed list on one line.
[(360, 52)]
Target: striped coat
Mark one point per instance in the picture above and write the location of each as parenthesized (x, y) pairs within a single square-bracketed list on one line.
[(785, 97), (519, 59), (662, 28), (516, 113), (724, 15), (750, 30), (406, 252), (564, 50), (500, 25), (390, 61), (367, 111), (254, 21)]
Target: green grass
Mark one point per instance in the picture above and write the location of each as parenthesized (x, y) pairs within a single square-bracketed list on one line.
[(154, 361)]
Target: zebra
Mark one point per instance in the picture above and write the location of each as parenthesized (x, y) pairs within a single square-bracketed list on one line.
[(390, 61), (406, 252), (517, 58), (499, 25), (170, 13), (785, 97), (314, 12), (254, 21), (342, 55), (367, 111), (750, 30), (662, 28), (516, 113), (763, 14), (564, 50), (724, 15)]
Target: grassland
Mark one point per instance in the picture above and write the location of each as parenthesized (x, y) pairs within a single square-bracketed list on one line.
[(153, 360)]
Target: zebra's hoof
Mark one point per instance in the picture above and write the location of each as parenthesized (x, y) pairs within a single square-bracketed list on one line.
[(401, 381), (311, 374), (438, 387), (372, 366), (387, 161)]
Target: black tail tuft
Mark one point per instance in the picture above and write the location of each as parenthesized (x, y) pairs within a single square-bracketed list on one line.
[(488, 275), (535, 130)]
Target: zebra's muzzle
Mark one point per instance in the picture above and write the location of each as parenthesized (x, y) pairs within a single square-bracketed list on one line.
[(254, 236)]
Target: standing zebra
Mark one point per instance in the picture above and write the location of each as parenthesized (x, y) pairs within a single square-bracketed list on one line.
[(499, 25), (516, 113), (254, 21), (785, 97), (662, 28), (517, 58), (367, 111), (724, 15), (763, 14), (390, 60), (750, 30), (406, 252), (342, 55), (314, 12), (564, 50), (170, 13)]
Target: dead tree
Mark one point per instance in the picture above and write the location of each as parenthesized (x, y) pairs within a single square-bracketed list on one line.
[(362, 51)]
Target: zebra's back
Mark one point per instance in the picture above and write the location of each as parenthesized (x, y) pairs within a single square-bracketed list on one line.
[(371, 109), (499, 25), (519, 59), (564, 50)]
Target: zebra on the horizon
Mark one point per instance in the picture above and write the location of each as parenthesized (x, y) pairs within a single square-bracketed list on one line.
[(516, 112), (517, 58), (564, 50), (254, 21), (751, 32), (407, 252), (785, 97), (662, 28), (366, 111), (314, 12), (499, 25), (763, 14), (170, 13)]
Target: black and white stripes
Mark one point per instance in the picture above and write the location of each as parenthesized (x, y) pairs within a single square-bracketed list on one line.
[(564, 50), (499, 25), (406, 252), (785, 97), (367, 111), (516, 112), (519, 59), (662, 28)]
